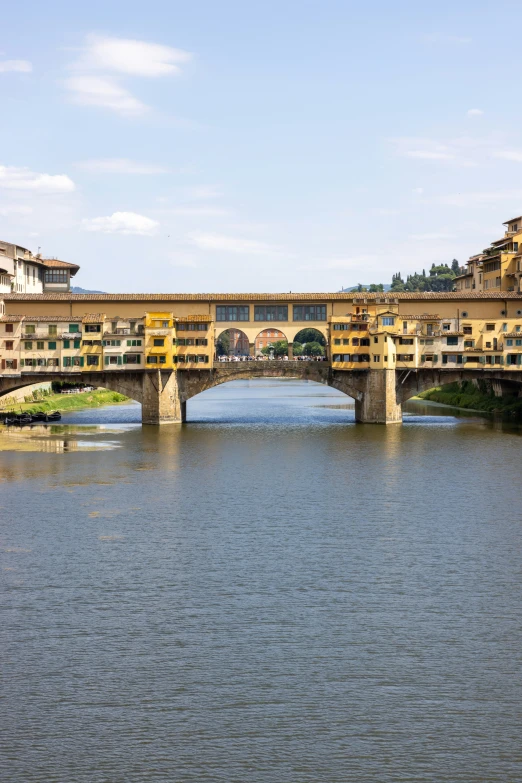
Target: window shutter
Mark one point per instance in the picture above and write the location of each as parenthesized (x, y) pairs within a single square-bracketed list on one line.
[(138, 359), (82, 359), (461, 359), (125, 358), (22, 362), (15, 364), (423, 358), (106, 360), (119, 360), (129, 342), (501, 360), (3, 364), (482, 359), (444, 359)]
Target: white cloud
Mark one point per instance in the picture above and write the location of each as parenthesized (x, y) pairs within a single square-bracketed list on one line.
[(429, 155), (228, 244), (122, 223), (131, 57), (120, 166), (14, 209), (474, 112), (418, 191), (97, 91), (13, 178), (18, 66), (200, 192), (513, 155)]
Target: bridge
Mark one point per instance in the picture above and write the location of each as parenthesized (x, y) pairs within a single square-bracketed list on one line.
[(378, 394)]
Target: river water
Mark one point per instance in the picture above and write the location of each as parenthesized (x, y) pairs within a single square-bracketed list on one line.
[(269, 594)]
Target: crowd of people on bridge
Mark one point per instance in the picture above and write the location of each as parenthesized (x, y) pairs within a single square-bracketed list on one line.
[(271, 359)]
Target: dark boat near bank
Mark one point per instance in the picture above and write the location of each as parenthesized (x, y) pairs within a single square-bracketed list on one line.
[(23, 419)]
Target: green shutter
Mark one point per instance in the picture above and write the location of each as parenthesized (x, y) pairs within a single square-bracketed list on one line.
[(138, 359), (82, 360), (22, 362), (444, 359), (66, 343), (129, 342), (106, 360), (435, 358), (124, 358), (482, 360), (423, 358), (501, 359), (76, 344), (119, 360)]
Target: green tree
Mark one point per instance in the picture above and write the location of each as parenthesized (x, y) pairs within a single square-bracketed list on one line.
[(313, 349), (375, 288), (298, 349), (279, 348), (223, 344), (309, 336)]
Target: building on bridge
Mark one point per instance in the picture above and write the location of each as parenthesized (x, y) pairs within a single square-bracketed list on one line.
[(498, 267), (162, 346)]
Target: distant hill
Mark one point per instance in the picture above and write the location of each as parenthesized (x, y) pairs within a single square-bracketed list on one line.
[(77, 290), (387, 287)]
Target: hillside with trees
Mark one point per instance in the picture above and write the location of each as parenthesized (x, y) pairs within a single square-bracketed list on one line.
[(439, 278)]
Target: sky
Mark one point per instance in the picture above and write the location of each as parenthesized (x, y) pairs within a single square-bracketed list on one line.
[(224, 145)]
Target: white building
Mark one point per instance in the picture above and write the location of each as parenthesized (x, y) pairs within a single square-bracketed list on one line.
[(23, 273)]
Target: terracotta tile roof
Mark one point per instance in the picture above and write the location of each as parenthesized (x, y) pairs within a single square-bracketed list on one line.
[(511, 221), (53, 318), (423, 317), (54, 263), (11, 319), (202, 318), (93, 318), (294, 297)]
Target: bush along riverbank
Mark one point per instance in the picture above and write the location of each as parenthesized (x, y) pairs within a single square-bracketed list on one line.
[(476, 397), (66, 402)]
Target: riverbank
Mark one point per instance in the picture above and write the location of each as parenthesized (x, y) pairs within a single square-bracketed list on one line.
[(468, 397), (68, 402)]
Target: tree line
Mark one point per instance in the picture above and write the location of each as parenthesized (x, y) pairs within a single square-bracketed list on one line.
[(440, 277)]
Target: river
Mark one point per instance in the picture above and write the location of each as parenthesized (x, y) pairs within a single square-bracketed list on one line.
[(269, 594)]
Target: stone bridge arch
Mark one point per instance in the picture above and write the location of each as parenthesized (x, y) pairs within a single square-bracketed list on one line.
[(409, 383), (128, 383)]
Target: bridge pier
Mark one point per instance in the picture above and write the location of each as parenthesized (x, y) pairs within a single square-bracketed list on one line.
[(378, 403), (161, 399)]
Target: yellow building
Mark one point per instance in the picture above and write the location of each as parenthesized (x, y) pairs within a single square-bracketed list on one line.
[(160, 340), (195, 341), (92, 349)]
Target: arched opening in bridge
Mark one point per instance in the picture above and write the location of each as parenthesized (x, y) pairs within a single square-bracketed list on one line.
[(309, 342), (271, 342), (232, 342)]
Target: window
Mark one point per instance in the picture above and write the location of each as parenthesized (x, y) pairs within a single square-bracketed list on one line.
[(74, 328), (52, 330), (93, 327), (375, 339), (202, 341), (159, 342), (469, 343), (39, 345), (10, 328), (29, 329), (152, 359), (515, 246), (388, 320), (132, 358), (53, 362), (406, 341), (376, 357), (56, 276), (355, 341), (271, 313), (346, 341), (446, 327), (509, 343), (202, 358), (490, 327), (28, 346), (51, 345), (93, 361), (233, 313), (517, 328), (113, 360), (404, 357), (340, 327), (337, 342), (76, 344), (309, 312), (452, 340), (467, 330), (202, 327), (518, 343), (9, 345), (27, 362)]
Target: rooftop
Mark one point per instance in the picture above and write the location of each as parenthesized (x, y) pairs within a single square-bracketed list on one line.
[(293, 297)]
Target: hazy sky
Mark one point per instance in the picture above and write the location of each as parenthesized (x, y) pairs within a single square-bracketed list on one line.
[(228, 145)]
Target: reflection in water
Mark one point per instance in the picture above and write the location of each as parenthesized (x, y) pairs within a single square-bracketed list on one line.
[(269, 593)]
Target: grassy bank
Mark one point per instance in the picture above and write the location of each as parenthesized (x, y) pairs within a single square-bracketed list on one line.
[(467, 395), (67, 402)]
